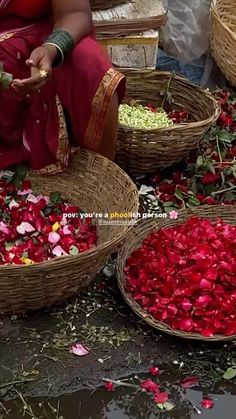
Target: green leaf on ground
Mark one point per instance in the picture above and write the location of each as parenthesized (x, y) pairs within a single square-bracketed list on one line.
[(230, 373), (168, 406)]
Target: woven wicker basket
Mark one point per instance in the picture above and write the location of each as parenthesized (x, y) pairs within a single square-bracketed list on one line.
[(134, 241), (94, 183), (223, 37), (145, 151)]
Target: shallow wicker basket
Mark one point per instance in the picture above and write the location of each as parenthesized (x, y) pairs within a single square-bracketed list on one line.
[(223, 37), (96, 185), (142, 151), (134, 241)]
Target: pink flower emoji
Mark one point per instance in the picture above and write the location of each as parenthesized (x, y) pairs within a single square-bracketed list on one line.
[(173, 215)]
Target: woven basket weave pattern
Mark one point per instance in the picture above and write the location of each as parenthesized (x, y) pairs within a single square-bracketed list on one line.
[(134, 241), (145, 151), (95, 184), (223, 37)]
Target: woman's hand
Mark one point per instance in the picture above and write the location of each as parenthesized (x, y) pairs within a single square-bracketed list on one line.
[(40, 62)]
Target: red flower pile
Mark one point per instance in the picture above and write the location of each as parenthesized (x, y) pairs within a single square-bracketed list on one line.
[(177, 116), (208, 176), (34, 228), (228, 109), (185, 277)]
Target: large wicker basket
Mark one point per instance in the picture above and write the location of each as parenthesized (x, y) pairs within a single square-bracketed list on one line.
[(96, 185), (144, 151), (135, 239), (223, 37)]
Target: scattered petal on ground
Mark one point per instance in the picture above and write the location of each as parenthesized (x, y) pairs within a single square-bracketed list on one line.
[(161, 398), (79, 350), (144, 190), (154, 371), (207, 403), (150, 386), (189, 382), (109, 386)]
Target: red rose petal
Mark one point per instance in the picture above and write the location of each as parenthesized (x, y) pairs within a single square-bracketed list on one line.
[(150, 386), (109, 386), (189, 382), (161, 398), (154, 371), (207, 403)]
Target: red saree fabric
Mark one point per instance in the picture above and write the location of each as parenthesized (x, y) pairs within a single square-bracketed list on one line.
[(69, 112), (28, 8)]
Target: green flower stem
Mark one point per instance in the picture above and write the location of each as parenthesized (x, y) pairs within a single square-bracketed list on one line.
[(218, 149), (121, 383), (223, 190)]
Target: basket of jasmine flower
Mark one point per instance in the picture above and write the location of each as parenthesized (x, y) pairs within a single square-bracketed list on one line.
[(162, 119), (53, 243)]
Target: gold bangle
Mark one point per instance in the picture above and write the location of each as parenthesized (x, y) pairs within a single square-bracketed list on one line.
[(59, 49)]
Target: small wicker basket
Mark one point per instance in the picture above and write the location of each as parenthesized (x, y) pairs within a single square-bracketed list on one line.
[(142, 151), (223, 37), (134, 241), (95, 184)]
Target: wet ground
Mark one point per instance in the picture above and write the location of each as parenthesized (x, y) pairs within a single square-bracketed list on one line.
[(40, 378)]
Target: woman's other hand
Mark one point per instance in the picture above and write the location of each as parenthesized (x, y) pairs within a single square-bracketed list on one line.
[(40, 62)]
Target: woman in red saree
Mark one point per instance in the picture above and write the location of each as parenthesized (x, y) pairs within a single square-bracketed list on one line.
[(51, 109)]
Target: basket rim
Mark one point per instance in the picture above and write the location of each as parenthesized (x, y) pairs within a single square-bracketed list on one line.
[(215, 13), (145, 316), (86, 254), (177, 127)]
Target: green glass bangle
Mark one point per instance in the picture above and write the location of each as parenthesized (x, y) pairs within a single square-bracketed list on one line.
[(64, 43)]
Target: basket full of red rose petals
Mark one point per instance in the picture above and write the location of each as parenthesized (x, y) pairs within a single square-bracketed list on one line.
[(52, 240), (179, 275), (185, 113)]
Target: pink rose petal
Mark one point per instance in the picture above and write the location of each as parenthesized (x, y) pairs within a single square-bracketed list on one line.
[(13, 204), (58, 251), (66, 230), (24, 192), (79, 350), (25, 228), (53, 237), (4, 228), (32, 198), (45, 197)]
